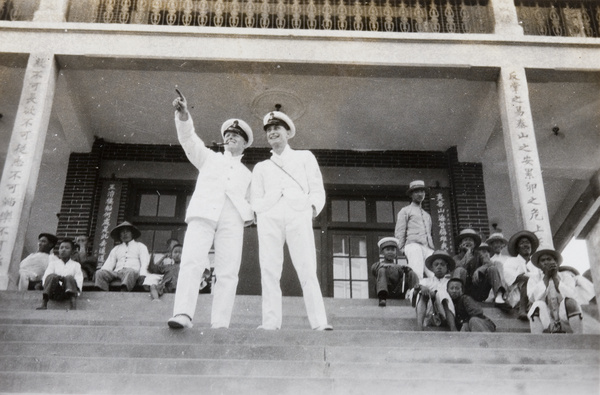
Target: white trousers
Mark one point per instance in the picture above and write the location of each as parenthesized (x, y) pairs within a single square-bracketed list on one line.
[(227, 234), (415, 255), (279, 225)]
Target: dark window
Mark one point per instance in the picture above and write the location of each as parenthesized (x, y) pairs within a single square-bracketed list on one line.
[(157, 208), (357, 221)]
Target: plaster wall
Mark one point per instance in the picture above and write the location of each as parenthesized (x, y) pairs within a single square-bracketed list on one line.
[(422, 49)]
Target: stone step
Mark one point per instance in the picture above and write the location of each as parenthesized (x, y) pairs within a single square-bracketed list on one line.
[(118, 307), (373, 354), (289, 368), (243, 307), (193, 384), (119, 343), (84, 334), (238, 322), (107, 300)]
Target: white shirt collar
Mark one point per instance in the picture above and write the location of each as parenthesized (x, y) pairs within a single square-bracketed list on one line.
[(229, 156), (286, 151)]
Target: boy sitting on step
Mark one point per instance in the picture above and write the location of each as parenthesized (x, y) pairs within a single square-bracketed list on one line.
[(63, 278), (170, 274), (468, 315), (434, 306), (392, 278)]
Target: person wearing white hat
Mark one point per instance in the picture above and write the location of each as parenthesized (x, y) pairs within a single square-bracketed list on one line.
[(556, 296), (392, 278), (497, 242), (413, 230), (217, 213), (434, 305), (287, 193), (518, 269), (127, 261)]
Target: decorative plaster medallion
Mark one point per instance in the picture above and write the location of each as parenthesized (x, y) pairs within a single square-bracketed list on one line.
[(268, 100)]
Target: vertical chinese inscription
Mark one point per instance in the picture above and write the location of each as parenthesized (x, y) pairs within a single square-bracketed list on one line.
[(107, 218), (442, 224), (527, 168), (106, 222), (24, 151)]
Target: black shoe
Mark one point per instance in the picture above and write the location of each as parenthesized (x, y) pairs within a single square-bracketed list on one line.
[(123, 288), (382, 302)]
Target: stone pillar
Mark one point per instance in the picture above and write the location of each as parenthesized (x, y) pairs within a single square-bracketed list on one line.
[(505, 18), (23, 159), (593, 246), (524, 169), (52, 11), (592, 239)]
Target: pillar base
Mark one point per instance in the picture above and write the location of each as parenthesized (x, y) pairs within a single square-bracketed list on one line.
[(3, 282)]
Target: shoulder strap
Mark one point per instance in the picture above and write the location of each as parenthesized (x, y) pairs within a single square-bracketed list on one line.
[(289, 175)]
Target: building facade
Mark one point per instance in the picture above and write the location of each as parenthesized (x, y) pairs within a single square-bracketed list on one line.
[(494, 104)]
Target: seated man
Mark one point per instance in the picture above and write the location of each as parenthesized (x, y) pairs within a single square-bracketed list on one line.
[(497, 242), (555, 297), (169, 272), (127, 261), (434, 305), (63, 277), (469, 316), (83, 255), (33, 267), (518, 269), (484, 277), (467, 241), (392, 278)]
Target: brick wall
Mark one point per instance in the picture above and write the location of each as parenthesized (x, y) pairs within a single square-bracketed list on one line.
[(80, 194), (467, 194), (330, 158)]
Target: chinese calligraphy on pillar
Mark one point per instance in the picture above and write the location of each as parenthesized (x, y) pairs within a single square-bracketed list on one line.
[(24, 155), (107, 218), (524, 161), (441, 220)]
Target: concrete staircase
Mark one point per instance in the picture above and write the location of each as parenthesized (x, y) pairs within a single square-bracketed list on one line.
[(120, 343)]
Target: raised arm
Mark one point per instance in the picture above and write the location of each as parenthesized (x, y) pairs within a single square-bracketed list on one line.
[(180, 104), (194, 147)]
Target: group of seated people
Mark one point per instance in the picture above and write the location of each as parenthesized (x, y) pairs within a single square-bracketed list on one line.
[(449, 293), (128, 262)]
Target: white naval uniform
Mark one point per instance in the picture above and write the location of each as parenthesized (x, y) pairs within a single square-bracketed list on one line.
[(217, 212), (284, 214)]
